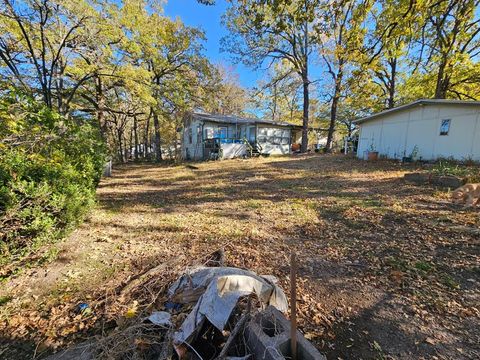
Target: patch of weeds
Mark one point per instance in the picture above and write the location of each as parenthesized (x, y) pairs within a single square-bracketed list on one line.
[(303, 209), (476, 270), (109, 271), (308, 203), (450, 282), (230, 232), (424, 266), (49, 256), (301, 189), (455, 168), (5, 299), (438, 194), (62, 288), (253, 204), (378, 349), (185, 177), (397, 263), (286, 184), (444, 219), (158, 204), (370, 203), (171, 228), (114, 207), (370, 255)]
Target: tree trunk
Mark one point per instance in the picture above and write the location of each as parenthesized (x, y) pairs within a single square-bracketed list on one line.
[(442, 82), (120, 145), (158, 149), (135, 134), (100, 106), (145, 139), (274, 110), (130, 146), (333, 120), (59, 88), (392, 87), (306, 103), (125, 149), (334, 106), (306, 83)]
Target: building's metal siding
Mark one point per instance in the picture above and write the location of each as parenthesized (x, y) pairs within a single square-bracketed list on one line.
[(397, 134)]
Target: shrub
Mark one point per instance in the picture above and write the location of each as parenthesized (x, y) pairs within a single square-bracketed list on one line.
[(469, 170), (49, 168)]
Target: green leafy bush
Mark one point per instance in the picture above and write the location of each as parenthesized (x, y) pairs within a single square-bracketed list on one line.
[(468, 169), (49, 169)]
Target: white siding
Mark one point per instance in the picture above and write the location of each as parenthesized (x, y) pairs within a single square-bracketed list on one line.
[(369, 136), (194, 150), (396, 135)]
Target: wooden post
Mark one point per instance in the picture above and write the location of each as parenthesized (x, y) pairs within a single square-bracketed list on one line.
[(293, 305)]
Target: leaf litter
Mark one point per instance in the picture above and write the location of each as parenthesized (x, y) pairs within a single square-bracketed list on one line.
[(376, 266)]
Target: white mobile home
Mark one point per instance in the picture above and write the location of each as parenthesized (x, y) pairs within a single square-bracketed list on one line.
[(207, 136), (426, 129)]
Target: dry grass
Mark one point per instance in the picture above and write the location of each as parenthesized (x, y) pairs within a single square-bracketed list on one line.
[(386, 268)]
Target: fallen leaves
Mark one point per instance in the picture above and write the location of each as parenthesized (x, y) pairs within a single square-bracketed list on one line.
[(355, 226)]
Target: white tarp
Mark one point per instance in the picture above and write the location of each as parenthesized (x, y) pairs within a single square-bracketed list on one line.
[(231, 151), (223, 288)]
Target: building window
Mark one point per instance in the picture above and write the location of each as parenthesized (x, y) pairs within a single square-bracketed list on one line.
[(445, 127), (262, 139), (209, 133), (190, 135), (273, 136)]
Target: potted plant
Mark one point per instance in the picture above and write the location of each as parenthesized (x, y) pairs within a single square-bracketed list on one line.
[(413, 156)]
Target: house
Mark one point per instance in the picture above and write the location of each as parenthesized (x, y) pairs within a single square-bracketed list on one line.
[(424, 129), (207, 136)]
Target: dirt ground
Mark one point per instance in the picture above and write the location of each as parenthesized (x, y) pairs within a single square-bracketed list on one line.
[(388, 270)]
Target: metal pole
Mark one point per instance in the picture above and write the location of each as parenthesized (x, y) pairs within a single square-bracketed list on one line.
[(293, 305)]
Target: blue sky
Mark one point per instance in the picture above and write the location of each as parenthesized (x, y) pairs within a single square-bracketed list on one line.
[(208, 18)]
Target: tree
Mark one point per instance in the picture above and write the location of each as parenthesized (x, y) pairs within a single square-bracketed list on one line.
[(450, 40), (37, 40), (344, 38), (165, 63), (278, 96), (230, 97), (263, 31)]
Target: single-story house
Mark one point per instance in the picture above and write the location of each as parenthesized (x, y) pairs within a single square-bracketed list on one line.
[(424, 129), (207, 136)]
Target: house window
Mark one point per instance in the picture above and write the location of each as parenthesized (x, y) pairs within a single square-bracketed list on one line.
[(262, 139), (273, 136), (445, 127), (209, 134), (190, 135)]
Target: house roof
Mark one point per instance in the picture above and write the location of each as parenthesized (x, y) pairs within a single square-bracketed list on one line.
[(420, 102), (225, 119)]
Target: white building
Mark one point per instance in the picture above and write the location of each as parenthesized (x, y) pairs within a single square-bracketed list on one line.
[(207, 136), (429, 129)]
